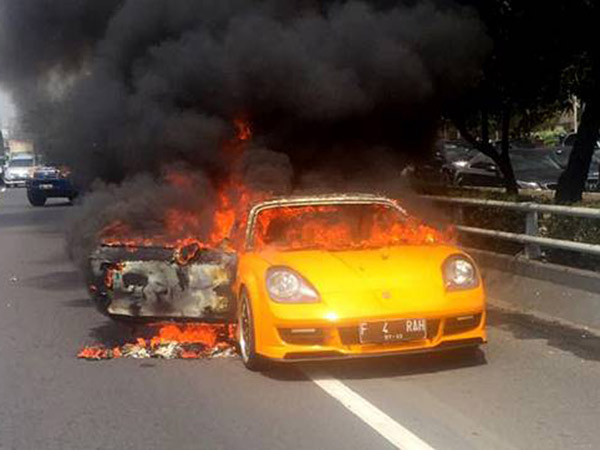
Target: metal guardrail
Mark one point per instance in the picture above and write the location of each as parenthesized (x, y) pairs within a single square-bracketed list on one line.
[(533, 242)]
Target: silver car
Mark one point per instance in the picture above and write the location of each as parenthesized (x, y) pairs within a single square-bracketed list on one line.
[(18, 170)]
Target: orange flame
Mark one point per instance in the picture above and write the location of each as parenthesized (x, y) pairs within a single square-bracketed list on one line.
[(193, 340), (182, 227), (333, 228), (201, 333), (243, 130)]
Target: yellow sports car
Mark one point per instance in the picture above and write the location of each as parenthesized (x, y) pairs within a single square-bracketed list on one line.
[(306, 278), (350, 275)]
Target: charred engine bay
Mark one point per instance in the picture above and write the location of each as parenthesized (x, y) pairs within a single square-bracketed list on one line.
[(188, 282)]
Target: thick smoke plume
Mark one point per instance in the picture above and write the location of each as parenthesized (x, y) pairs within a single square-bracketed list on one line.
[(123, 88)]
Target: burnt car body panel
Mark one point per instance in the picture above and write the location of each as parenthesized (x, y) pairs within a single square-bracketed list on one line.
[(156, 282)]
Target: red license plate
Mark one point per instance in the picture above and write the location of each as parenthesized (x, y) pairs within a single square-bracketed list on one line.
[(392, 331)]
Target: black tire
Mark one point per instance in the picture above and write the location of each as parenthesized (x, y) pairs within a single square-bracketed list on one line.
[(446, 178), (246, 340), (36, 199)]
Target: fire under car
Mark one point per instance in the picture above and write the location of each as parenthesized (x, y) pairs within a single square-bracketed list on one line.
[(314, 277)]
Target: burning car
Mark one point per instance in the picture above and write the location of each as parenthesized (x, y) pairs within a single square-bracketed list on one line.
[(311, 277)]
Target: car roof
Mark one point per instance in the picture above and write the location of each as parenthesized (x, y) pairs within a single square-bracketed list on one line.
[(320, 199)]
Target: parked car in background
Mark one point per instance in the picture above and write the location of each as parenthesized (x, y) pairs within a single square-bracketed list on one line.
[(18, 170), (562, 153), (569, 141), (50, 182), (592, 183), (2, 163), (534, 169), (456, 163), (440, 167)]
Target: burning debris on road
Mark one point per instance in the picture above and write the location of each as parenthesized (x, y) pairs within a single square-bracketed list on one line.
[(171, 341)]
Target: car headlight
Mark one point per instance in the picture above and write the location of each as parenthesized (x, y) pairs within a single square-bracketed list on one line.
[(459, 273), (286, 286), (460, 164)]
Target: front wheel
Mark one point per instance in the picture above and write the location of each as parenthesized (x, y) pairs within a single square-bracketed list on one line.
[(246, 336), (36, 199)]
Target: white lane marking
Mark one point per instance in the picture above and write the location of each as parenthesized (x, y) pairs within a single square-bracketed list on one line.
[(383, 424)]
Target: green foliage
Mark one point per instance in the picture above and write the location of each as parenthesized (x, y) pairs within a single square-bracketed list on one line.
[(550, 136)]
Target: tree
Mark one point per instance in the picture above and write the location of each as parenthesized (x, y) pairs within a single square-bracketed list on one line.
[(521, 83), (581, 77)]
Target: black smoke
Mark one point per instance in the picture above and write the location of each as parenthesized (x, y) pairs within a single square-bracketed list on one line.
[(119, 87), (122, 88)]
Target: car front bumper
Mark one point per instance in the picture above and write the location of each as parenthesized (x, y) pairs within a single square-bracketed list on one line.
[(51, 188), (336, 355), (15, 182), (329, 340)]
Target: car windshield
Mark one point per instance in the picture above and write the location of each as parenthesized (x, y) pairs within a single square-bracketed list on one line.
[(534, 160), (338, 227), (21, 163), (454, 153), (524, 160)]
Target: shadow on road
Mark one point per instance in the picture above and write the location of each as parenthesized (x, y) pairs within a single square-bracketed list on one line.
[(79, 303), (384, 367), (49, 220), (56, 281), (523, 326), (112, 334)]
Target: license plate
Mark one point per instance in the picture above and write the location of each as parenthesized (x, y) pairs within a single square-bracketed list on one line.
[(392, 331), (46, 186)]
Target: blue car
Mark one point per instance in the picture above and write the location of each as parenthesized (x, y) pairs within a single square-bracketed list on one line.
[(50, 182)]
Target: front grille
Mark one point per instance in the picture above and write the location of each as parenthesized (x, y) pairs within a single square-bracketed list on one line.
[(455, 325), (349, 335)]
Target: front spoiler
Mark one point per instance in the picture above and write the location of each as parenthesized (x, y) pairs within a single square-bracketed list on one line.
[(332, 355)]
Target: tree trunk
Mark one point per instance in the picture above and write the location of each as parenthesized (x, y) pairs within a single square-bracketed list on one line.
[(572, 181), (502, 159), (510, 183), (485, 124)]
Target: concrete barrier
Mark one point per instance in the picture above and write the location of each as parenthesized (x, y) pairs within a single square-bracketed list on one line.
[(568, 295)]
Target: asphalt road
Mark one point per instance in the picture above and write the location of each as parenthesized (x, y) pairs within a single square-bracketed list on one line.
[(535, 385)]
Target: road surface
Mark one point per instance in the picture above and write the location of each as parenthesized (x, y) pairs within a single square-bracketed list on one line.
[(536, 385)]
